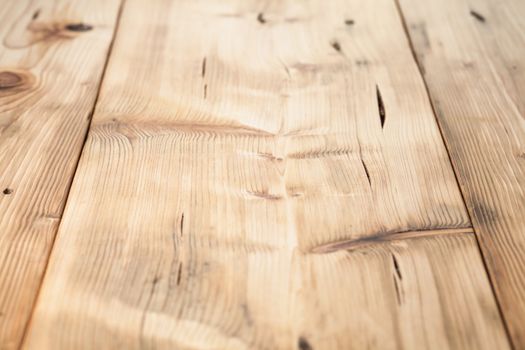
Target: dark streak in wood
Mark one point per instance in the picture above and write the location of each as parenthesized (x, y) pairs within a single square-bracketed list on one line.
[(483, 213), (179, 274), (303, 344), (477, 16), (265, 195), (203, 67), (383, 237), (260, 18), (36, 14), (337, 47), (79, 27)]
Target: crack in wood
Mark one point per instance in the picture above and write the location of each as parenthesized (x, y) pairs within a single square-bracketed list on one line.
[(396, 267), (366, 172), (380, 107), (364, 164)]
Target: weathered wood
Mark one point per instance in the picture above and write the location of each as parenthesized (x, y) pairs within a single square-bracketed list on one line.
[(473, 58), (411, 294), (234, 142), (52, 54)]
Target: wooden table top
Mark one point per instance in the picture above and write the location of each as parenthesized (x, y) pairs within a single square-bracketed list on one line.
[(248, 174)]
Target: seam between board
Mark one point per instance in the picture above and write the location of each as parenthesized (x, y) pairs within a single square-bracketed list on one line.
[(455, 171), (70, 185)]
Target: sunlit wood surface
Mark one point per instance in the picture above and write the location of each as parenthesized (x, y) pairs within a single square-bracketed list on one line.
[(202, 174)]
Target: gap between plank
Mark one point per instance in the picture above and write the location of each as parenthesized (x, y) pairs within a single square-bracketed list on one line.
[(88, 128), (455, 171)]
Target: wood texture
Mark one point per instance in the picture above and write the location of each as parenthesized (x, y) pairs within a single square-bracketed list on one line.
[(473, 56), (52, 54), (423, 293), (238, 153)]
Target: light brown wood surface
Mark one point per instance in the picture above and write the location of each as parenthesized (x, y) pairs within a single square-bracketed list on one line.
[(52, 54), (264, 175), (473, 58)]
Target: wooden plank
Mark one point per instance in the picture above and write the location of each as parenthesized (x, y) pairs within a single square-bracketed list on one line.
[(473, 58), (232, 144), (52, 54), (400, 295)]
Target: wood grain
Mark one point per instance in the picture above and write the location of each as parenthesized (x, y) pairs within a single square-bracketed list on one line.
[(232, 143), (52, 54), (473, 56), (407, 294)]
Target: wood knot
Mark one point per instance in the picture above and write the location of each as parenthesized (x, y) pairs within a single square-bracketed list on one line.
[(11, 80), (7, 191), (79, 27)]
